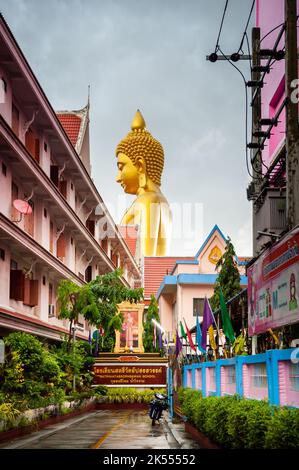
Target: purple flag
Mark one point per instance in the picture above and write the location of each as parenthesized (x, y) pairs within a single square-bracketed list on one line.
[(178, 344), (160, 340), (207, 322)]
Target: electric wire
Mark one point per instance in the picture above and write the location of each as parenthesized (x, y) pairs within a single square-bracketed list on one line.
[(220, 29), (247, 23), (246, 114)]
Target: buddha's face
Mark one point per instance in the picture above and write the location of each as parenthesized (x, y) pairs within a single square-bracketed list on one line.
[(127, 174)]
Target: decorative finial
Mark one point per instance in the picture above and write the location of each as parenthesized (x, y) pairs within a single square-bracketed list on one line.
[(138, 121)]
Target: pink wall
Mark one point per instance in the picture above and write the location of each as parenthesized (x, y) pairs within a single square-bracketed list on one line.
[(250, 390), (198, 379), (226, 387), (188, 292), (210, 380), (269, 14), (288, 396)]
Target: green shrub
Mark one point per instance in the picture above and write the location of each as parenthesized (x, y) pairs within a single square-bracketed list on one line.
[(235, 422), (284, 430), (214, 419), (100, 390)]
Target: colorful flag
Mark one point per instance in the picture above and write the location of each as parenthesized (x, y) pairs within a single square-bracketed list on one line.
[(199, 336), (227, 325), (183, 332), (191, 344), (212, 337), (178, 344), (160, 340), (207, 322)]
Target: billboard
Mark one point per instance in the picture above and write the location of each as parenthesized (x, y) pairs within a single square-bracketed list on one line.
[(273, 286)]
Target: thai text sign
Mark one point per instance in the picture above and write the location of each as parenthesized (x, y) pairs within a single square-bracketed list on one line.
[(130, 375), (272, 286)]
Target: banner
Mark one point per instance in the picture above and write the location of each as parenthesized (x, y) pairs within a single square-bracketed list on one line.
[(273, 286)]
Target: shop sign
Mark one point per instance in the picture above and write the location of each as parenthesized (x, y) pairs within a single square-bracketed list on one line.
[(273, 286)]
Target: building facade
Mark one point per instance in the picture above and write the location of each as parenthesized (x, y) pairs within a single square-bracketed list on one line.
[(181, 294), (45, 163)]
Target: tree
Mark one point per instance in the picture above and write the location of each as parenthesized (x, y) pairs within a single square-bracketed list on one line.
[(97, 301), (148, 327), (229, 277)]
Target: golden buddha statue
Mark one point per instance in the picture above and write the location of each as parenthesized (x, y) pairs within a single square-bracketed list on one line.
[(140, 162)]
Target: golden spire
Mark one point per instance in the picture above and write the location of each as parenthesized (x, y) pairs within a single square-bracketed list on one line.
[(138, 121)]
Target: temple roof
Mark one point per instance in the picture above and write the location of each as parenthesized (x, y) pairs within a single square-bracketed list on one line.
[(130, 235), (74, 124), (155, 268)]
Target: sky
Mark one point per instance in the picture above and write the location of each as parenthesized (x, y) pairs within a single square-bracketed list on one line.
[(151, 55)]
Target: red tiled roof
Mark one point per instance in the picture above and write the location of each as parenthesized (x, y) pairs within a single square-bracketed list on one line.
[(129, 233), (71, 124), (155, 268)]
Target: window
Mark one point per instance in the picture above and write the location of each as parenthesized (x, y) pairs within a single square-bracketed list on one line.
[(45, 213), (88, 274), (13, 264), (32, 144), (17, 284), (51, 310), (4, 169), (2, 254), (15, 121), (294, 377), (3, 90), (90, 224), (198, 307), (231, 374), (259, 375), (45, 147)]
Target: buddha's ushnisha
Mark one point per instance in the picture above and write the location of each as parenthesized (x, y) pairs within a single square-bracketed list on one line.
[(140, 161)]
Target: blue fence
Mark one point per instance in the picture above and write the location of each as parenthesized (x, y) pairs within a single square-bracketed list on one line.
[(272, 376)]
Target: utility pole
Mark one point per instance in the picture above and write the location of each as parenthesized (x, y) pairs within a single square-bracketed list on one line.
[(292, 130), (256, 116)]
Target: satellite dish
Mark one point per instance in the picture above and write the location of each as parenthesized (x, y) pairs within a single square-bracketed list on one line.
[(22, 206)]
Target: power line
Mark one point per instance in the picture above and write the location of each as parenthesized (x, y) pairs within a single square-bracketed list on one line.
[(245, 30), (220, 29)]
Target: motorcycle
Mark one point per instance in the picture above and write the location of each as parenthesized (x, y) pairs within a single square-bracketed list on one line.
[(157, 405)]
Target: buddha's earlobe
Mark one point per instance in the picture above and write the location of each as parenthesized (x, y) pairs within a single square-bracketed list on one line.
[(142, 180)]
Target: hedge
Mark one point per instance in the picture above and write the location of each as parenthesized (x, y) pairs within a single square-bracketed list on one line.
[(237, 423)]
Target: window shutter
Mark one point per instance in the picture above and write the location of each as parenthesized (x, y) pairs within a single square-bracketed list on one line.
[(17, 280), (61, 246), (63, 188), (36, 150), (15, 120), (30, 292), (30, 142), (54, 174), (29, 221)]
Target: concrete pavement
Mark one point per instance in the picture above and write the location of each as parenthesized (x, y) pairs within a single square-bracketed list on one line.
[(119, 429)]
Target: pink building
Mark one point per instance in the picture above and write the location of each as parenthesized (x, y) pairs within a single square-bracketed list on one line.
[(269, 195), (45, 160), (181, 293)]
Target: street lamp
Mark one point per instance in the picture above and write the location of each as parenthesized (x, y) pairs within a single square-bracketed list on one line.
[(74, 340)]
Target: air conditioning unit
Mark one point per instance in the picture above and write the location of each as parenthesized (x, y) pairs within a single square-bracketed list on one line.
[(271, 216), (51, 311)]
